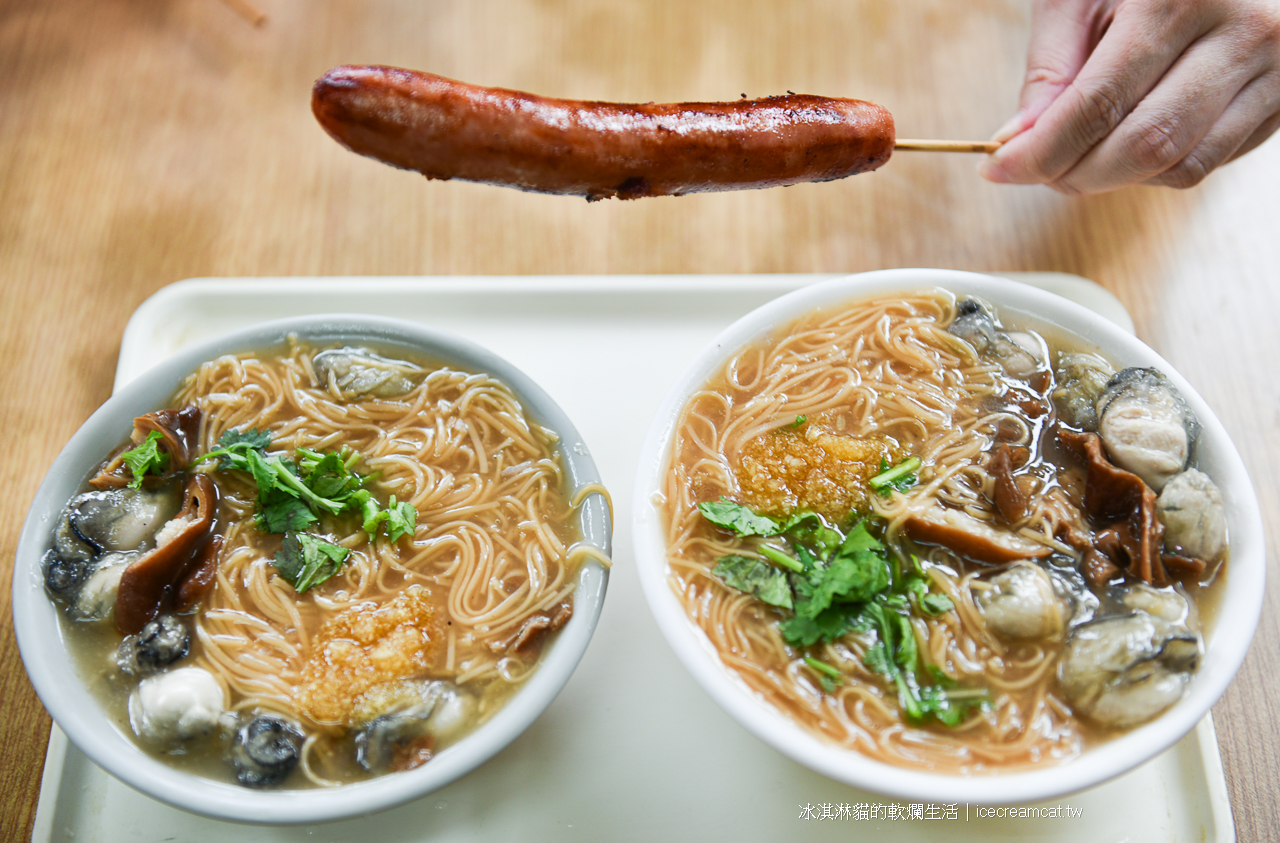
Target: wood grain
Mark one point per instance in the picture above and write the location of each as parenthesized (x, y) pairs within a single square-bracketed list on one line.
[(146, 142)]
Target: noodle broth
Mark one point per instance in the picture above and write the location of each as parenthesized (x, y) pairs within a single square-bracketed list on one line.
[(866, 386), (469, 601)]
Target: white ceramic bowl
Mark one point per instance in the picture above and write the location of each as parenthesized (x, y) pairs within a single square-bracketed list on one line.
[(81, 716), (1226, 642)]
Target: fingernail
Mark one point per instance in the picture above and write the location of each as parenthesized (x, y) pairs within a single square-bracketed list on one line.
[(991, 171), (1009, 129)]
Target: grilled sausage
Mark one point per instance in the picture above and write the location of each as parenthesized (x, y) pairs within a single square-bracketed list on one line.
[(446, 130)]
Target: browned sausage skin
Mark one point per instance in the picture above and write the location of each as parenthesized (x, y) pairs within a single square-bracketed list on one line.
[(450, 130)]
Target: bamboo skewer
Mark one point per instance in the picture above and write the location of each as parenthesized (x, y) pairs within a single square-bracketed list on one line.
[(946, 145), (248, 11)]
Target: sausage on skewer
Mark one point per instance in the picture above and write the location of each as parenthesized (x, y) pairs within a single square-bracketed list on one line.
[(451, 130)]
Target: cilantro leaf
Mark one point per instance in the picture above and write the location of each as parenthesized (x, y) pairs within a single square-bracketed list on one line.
[(328, 476), (896, 656), (914, 584), (843, 580), (755, 577), (855, 573), (808, 528), (827, 625), (930, 603), (899, 478), (877, 659), (282, 513), (951, 707), (401, 519), (306, 560), (894, 651), (861, 540), (737, 518), (252, 438), (948, 702), (263, 469), (235, 445), (936, 604), (145, 458), (804, 527), (832, 574)]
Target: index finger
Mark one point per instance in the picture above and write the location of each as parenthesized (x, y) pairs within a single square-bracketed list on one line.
[(1141, 44)]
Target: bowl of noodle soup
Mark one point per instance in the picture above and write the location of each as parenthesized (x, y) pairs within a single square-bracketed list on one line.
[(417, 656), (914, 681)]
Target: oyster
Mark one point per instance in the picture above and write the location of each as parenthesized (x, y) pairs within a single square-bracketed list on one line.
[(96, 597), (1019, 354), (1082, 378), (1194, 515), (96, 532), (1021, 603), (1123, 671), (171, 708), (1146, 425), (416, 716), (117, 519), (353, 373), (265, 750), (161, 642)]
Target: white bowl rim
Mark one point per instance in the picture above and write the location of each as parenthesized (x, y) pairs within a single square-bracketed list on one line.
[(80, 716), (1227, 644)]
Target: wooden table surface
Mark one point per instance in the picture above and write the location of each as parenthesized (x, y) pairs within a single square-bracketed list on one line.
[(147, 141)]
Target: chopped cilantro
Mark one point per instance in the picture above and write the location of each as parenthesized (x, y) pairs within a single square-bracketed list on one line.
[(803, 527), (235, 443), (396, 520), (899, 478), (328, 475), (401, 519), (930, 603), (896, 656), (809, 530), (836, 583), (305, 560), (855, 573), (737, 518), (936, 604), (777, 556), (755, 577), (830, 677), (293, 495), (280, 513), (827, 625), (146, 458)]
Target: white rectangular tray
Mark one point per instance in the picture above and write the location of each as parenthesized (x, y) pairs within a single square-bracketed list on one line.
[(632, 749)]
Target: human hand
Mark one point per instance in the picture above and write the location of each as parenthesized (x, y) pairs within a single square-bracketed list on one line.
[(1122, 92)]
